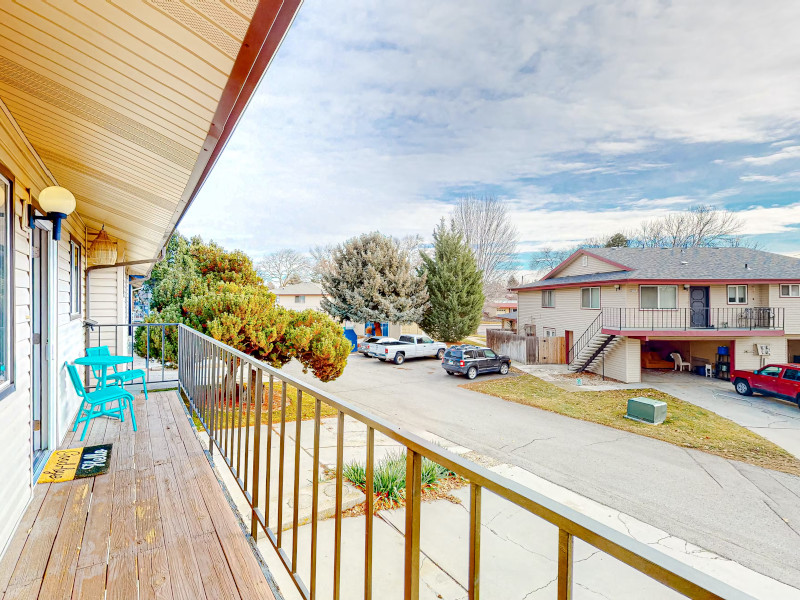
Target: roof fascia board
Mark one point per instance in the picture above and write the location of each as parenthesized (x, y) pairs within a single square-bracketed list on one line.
[(655, 282)]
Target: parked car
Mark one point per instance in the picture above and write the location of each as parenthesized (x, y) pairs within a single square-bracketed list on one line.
[(471, 361), (363, 345), (408, 346), (372, 347), (781, 381)]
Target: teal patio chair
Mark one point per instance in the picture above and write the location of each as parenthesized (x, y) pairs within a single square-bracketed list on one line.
[(117, 377), (95, 404)]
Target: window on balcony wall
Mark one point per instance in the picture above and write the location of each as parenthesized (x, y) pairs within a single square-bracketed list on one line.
[(548, 298), (74, 278), (590, 297), (737, 294), (6, 312), (658, 297), (790, 290)]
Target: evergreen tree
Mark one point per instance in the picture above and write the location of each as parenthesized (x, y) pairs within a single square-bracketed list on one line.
[(618, 240), (219, 293), (372, 279), (455, 287)]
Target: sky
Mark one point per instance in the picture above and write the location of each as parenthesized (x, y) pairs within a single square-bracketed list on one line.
[(586, 118)]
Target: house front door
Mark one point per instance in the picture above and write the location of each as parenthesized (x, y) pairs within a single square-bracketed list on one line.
[(698, 306)]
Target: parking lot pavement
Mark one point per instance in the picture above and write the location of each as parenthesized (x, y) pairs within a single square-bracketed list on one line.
[(744, 513), (777, 420)]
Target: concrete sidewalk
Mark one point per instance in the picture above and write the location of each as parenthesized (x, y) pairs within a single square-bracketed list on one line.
[(744, 513), (518, 549)]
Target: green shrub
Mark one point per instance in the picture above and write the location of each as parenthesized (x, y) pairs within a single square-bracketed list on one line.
[(390, 474)]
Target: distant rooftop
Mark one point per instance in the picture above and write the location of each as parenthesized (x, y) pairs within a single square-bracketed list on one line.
[(706, 264), (299, 289)]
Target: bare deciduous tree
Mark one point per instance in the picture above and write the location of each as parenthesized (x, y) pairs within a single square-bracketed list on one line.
[(486, 228), (321, 261), (700, 226), (284, 267)]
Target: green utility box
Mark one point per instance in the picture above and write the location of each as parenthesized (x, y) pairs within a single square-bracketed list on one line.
[(647, 410)]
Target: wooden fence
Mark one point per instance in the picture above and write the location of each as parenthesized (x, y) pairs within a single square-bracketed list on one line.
[(527, 349)]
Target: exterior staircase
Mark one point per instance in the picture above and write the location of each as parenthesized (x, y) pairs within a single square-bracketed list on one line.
[(594, 348)]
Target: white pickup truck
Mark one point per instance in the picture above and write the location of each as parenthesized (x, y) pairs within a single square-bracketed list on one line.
[(408, 346)]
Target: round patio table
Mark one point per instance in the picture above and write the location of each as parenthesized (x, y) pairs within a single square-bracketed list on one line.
[(103, 362)]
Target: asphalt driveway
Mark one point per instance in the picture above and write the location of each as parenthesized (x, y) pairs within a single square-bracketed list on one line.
[(742, 512)]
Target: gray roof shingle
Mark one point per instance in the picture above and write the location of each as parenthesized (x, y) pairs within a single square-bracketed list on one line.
[(742, 264)]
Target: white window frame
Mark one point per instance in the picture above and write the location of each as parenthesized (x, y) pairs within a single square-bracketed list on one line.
[(790, 287), (300, 299), (549, 332), (590, 307), (75, 272), (7, 303), (552, 294), (736, 294), (584, 261), (658, 302)]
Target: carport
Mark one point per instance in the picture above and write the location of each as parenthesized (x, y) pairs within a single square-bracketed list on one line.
[(697, 352)]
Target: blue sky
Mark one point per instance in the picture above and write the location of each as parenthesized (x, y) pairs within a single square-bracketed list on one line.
[(585, 118)]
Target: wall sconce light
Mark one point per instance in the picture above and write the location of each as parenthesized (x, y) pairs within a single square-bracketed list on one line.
[(57, 203), (686, 286), (616, 287)]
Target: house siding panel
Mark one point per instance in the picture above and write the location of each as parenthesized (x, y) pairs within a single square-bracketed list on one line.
[(791, 310), (593, 265), (746, 358), (622, 362)]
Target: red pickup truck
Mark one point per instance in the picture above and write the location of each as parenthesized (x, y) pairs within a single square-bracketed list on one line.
[(781, 381)]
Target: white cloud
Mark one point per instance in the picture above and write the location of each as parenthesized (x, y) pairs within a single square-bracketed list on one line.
[(783, 154), (373, 113)]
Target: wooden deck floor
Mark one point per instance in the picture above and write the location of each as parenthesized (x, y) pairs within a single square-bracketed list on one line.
[(156, 526)]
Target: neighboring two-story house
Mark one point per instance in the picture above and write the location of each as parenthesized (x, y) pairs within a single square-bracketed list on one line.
[(300, 296), (616, 305)]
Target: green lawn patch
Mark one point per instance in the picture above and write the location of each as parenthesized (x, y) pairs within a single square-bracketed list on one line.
[(687, 425)]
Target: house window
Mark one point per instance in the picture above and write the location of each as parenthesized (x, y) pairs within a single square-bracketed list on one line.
[(590, 297), (299, 299), (790, 290), (737, 294), (6, 313), (548, 298), (658, 297), (549, 332), (74, 278)]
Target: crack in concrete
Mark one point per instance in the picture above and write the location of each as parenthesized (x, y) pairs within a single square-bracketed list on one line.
[(784, 520), (588, 589), (703, 467), (424, 554), (552, 581), (619, 439), (575, 562), (529, 443)]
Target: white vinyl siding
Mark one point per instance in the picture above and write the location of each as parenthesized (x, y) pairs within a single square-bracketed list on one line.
[(591, 265), (590, 297), (658, 297)]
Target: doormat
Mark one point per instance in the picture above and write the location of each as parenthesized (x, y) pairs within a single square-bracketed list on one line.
[(76, 463)]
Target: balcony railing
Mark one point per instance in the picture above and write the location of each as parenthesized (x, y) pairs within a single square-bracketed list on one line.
[(685, 319), (226, 388)]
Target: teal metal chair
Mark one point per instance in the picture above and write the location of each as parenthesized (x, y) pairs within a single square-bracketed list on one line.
[(96, 404), (117, 377)]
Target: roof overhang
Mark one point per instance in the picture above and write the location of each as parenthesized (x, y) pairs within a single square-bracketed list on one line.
[(583, 252), (579, 284), (130, 105)]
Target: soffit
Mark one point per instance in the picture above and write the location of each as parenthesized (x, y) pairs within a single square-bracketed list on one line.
[(125, 101)]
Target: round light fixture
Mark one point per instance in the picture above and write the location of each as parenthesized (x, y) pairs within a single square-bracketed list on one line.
[(56, 199)]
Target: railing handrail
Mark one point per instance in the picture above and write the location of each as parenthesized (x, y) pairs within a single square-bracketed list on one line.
[(665, 569), (588, 334), (733, 317)]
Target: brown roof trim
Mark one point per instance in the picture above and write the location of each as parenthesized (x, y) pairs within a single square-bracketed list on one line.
[(271, 20)]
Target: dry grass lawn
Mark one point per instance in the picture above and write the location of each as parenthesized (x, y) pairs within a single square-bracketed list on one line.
[(687, 425)]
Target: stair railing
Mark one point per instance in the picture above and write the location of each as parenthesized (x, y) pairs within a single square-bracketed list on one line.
[(585, 338)]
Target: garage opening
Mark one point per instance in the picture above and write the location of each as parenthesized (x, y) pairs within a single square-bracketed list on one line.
[(700, 354), (794, 351)]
